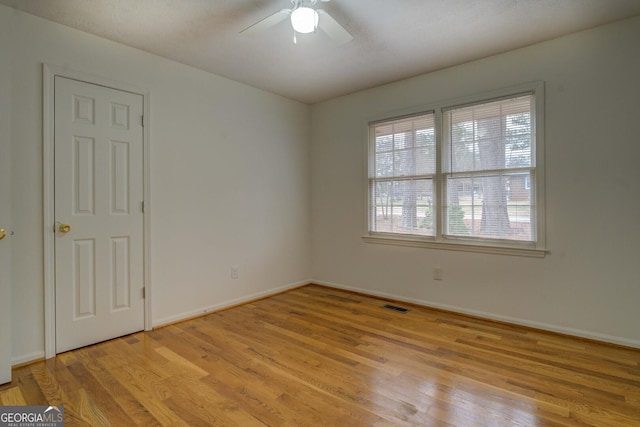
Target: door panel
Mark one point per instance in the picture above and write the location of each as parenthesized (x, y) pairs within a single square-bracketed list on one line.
[(98, 193)]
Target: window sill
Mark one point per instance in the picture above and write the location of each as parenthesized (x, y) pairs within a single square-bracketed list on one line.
[(455, 246)]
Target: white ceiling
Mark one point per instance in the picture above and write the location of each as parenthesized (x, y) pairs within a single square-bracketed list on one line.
[(393, 39)]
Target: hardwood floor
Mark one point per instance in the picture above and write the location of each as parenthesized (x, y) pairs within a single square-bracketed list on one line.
[(317, 356)]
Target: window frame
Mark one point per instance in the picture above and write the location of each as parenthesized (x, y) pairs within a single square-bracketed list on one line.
[(536, 248)]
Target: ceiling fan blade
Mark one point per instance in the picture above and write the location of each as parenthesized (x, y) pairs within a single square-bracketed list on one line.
[(267, 22), (332, 28)]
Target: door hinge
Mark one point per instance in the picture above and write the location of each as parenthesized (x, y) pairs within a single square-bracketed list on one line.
[(142, 120), (142, 204), (144, 293)]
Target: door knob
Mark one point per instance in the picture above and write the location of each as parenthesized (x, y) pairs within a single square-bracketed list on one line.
[(64, 228), (3, 233)]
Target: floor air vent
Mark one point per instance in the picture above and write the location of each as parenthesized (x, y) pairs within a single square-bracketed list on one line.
[(395, 308)]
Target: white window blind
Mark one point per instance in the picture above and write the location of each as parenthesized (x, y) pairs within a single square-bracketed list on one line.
[(401, 176), (489, 165)]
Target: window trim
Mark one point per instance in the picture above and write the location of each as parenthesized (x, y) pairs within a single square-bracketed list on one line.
[(439, 241)]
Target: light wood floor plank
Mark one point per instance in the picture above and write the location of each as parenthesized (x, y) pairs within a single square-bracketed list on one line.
[(317, 356), (12, 397)]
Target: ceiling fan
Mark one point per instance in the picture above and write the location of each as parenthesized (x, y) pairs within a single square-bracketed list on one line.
[(304, 19)]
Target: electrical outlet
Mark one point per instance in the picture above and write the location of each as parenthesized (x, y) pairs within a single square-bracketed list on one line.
[(235, 271), (437, 273)]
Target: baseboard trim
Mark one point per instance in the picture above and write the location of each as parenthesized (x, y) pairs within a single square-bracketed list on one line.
[(225, 305), (577, 333), (27, 359), (37, 356)]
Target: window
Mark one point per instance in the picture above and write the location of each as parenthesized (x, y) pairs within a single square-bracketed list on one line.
[(404, 171), (466, 175)]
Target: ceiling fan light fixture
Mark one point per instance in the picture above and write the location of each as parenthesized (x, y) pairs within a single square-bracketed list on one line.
[(304, 20)]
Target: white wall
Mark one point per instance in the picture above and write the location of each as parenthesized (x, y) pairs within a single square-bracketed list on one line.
[(589, 283), (230, 177)]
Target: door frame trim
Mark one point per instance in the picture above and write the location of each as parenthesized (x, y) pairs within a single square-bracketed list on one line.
[(49, 72)]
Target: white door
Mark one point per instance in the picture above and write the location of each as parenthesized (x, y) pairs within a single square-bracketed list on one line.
[(99, 213), (5, 232)]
